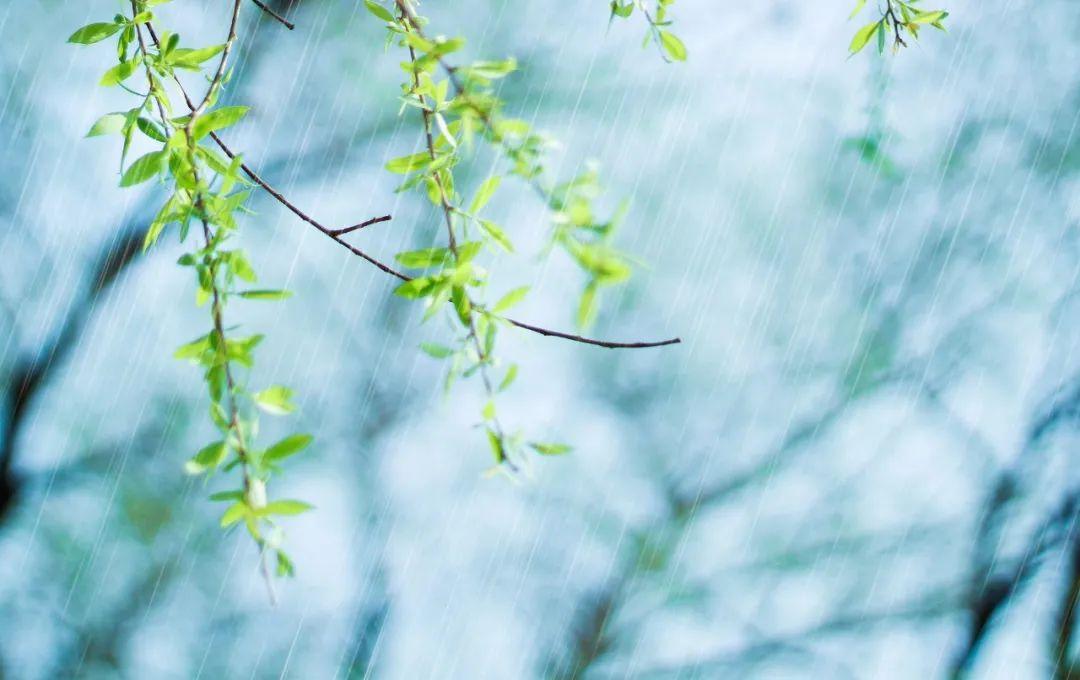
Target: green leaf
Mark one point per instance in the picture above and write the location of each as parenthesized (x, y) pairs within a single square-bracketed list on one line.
[(484, 194), (266, 294), (407, 164), (109, 124), (422, 259), (863, 36), (621, 10), (92, 33), (511, 375), (510, 299), (191, 59), (284, 565), (930, 17), (208, 458), (379, 11), (285, 507), (121, 72), (499, 236), (587, 306), (416, 288), (550, 449), (275, 400), (193, 349), (289, 446), (436, 351), (227, 496), (143, 169), (858, 8), (235, 513), (151, 129), (216, 120), (496, 444), (672, 45)]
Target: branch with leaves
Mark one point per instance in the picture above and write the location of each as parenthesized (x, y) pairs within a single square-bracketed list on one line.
[(209, 191), (670, 45), (896, 18)]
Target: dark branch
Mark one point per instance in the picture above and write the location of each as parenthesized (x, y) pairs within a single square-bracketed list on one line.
[(274, 15), (357, 227)]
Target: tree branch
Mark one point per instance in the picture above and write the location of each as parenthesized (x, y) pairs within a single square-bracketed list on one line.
[(274, 15), (385, 268)]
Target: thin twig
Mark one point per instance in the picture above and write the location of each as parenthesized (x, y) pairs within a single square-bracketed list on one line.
[(219, 75), (357, 227), (274, 15)]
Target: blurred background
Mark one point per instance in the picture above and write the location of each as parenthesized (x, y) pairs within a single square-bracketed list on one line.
[(860, 462)]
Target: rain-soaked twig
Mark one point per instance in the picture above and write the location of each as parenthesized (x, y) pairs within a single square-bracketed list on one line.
[(335, 235), (274, 15)]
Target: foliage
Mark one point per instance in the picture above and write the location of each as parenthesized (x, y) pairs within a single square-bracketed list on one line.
[(207, 192), (892, 26), (459, 113), (670, 45)]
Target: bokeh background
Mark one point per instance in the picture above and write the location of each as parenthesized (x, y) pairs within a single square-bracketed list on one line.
[(861, 462)]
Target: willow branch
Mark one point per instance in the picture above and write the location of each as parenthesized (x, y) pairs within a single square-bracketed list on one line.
[(219, 75), (335, 234)]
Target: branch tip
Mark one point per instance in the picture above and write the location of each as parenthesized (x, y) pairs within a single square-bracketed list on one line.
[(274, 15)]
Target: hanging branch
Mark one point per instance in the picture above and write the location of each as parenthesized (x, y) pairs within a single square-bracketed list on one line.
[(274, 15), (207, 191), (335, 235)]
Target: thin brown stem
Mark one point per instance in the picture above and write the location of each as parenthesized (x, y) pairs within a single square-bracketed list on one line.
[(274, 15), (357, 227), (448, 214), (890, 12), (219, 75)]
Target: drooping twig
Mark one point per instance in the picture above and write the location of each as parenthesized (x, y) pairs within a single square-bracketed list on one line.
[(357, 227), (385, 268), (274, 15)]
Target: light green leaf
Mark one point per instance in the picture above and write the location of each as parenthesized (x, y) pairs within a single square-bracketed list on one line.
[(407, 164), (143, 169), (92, 33), (416, 288), (497, 234), (587, 307), (192, 59), (289, 446), (266, 294), (151, 129), (550, 449), (863, 36), (217, 119), (275, 400), (422, 259), (235, 513), (227, 496), (510, 299), (208, 458), (436, 351), (285, 507), (121, 72), (379, 11), (511, 375), (672, 45), (484, 194), (109, 124)]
